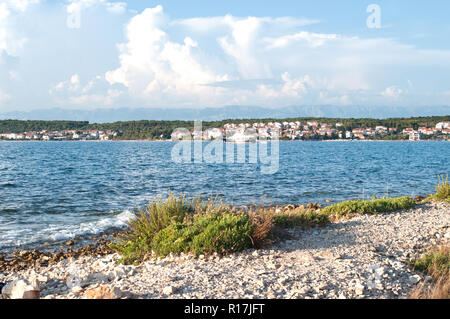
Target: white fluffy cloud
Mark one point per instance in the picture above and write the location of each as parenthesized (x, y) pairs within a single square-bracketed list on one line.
[(197, 60), (156, 68), (78, 5), (11, 41), (392, 92), (20, 5), (73, 84), (119, 57), (210, 52), (75, 92)]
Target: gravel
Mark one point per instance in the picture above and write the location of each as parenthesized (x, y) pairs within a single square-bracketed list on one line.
[(364, 257)]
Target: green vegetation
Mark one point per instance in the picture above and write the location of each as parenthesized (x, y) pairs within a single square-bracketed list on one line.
[(436, 262), (374, 206), (206, 235), (298, 218), (17, 126), (177, 225), (162, 129), (158, 215), (442, 190)]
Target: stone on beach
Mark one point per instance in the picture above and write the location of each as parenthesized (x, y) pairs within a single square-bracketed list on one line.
[(169, 290), (364, 257), (103, 292), (21, 289)]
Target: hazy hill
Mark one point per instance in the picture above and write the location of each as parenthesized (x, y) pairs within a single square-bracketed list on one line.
[(228, 112)]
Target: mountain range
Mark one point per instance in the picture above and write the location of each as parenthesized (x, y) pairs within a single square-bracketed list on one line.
[(228, 112)]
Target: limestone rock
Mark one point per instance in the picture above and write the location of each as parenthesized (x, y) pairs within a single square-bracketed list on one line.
[(325, 254), (305, 257), (169, 290), (359, 289), (21, 289), (103, 292), (77, 290)]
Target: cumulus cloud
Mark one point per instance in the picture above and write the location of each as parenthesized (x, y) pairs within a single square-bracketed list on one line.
[(203, 61), (223, 60), (214, 53), (156, 68), (11, 42), (78, 5), (392, 92), (20, 5), (73, 84), (75, 92)]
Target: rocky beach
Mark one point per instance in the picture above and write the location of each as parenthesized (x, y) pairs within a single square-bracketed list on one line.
[(363, 257)]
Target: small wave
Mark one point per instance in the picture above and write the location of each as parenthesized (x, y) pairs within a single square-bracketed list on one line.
[(91, 228), (56, 232), (8, 185), (8, 211)]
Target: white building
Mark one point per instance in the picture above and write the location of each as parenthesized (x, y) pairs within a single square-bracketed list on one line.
[(213, 134), (443, 125), (415, 136)]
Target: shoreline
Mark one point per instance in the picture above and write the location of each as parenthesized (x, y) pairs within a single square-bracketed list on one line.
[(325, 262), (149, 140), (88, 239), (85, 240)]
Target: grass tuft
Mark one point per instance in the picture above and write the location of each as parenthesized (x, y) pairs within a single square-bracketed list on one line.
[(262, 232), (177, 225), (158, 214), (374, 206), (300, 218), (207, 234), (442, 190), (439, 289), (436, 263)]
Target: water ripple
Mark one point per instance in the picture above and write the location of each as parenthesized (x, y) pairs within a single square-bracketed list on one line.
[(52, 190)]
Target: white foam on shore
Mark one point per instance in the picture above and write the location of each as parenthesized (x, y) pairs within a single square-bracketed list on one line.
[(90, 228), (15, 237)]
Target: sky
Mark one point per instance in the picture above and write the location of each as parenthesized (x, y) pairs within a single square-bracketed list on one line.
[(90, 54)]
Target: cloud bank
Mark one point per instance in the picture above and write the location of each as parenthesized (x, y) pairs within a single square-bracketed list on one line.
[(158, 61)]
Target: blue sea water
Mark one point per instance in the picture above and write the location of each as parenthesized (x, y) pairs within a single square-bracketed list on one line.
[(58, 190)]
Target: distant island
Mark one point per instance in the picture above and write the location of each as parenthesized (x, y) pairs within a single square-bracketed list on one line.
[(303, 128)]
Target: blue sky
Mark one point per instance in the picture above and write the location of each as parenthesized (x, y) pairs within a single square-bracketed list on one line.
[(82, 54)]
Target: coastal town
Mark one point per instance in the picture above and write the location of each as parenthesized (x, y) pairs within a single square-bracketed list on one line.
[(245, 132), (63, 135), (311, 130)]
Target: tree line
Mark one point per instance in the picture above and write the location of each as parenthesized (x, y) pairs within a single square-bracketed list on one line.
[(152, 129)]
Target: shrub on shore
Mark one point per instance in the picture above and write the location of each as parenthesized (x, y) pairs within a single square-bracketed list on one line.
[(177, 225), (269, 224), (436, 263), (299, 218), (374, 206), (442, 190), (206, 235), (157, 215)]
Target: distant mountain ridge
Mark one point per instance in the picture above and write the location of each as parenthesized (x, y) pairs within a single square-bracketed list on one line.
[(222, 113)]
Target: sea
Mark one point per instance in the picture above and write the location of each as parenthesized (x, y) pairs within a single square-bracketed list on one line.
[(53, 191)]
